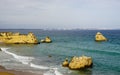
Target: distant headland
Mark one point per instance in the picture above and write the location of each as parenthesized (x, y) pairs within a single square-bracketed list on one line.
[(17, 38)]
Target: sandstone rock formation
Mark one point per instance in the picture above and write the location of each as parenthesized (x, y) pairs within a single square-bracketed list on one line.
[(9, 37), (77, 63), (46, 40), (99, 37), (65, 63)]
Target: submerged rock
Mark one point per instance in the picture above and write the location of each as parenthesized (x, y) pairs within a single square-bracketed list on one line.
[(49, 55), (99, 37), (77, 63)]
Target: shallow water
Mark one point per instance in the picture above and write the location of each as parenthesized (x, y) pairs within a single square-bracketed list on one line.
[(66, 43)]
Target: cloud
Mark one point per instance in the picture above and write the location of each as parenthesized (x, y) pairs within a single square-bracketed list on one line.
[(60, 13)]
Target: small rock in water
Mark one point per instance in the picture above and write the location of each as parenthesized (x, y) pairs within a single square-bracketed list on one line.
[(65, 63), (49, 55)]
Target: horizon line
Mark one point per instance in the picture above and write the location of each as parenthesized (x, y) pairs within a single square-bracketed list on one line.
[(62, 28)]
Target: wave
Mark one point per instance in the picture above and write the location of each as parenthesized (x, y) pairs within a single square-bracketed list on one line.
[(27, 61), (38, 66), (53, 71), (57, 72), (104, 51), (22, 59)]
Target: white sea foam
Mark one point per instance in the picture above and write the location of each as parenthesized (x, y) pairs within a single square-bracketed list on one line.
[(53, 71), (22, 59), (27, 61), (38, 66), (57, 72), (50, 72)]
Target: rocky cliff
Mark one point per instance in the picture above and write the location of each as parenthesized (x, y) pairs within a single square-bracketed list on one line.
[(9, 37)]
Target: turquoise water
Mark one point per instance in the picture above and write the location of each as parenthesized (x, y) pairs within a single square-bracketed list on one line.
[(66, 43)]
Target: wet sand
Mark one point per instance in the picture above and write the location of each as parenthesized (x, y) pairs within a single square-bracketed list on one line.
[(4, 71)]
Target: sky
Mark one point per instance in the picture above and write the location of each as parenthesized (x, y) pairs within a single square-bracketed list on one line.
[(59, 14)]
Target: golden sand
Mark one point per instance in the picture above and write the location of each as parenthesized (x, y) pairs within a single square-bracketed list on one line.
[(5, 73)]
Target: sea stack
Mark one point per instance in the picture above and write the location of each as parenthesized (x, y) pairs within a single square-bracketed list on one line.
[(99, 37), (78, 63), (46, 40)]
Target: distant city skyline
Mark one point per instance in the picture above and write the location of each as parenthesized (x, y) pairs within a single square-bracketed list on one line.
[(59, 14)]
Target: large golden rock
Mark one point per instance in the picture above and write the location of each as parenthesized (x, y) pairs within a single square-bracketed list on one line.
[(9, 37), (99, 37), (80, 62)]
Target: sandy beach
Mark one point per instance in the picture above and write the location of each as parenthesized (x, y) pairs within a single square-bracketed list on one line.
[(4, 71)]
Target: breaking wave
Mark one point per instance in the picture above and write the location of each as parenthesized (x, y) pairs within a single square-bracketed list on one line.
[(38, 66), (22, 59), (27, 61), (53, 71)]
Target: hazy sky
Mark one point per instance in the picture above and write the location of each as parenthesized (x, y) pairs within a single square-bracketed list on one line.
[(59, 14)]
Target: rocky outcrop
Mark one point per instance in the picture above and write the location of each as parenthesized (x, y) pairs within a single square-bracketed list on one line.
[(46, 40), (99, 37), (65, 63), (77, 63), (9, 37)]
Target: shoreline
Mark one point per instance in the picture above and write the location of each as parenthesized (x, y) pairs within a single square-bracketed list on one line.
[(4, 71)]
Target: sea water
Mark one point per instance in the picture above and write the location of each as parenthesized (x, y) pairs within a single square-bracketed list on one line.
[(48, 57)]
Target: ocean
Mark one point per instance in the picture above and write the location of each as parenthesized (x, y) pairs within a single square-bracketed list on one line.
[(48, 57)]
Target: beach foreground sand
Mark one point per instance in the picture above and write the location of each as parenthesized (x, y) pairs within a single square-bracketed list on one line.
[(4, 71)]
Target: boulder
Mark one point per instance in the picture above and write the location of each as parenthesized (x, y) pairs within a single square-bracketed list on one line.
[(80, 62), (65, 63), (99, 37), (77, 63), (46, 40)]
